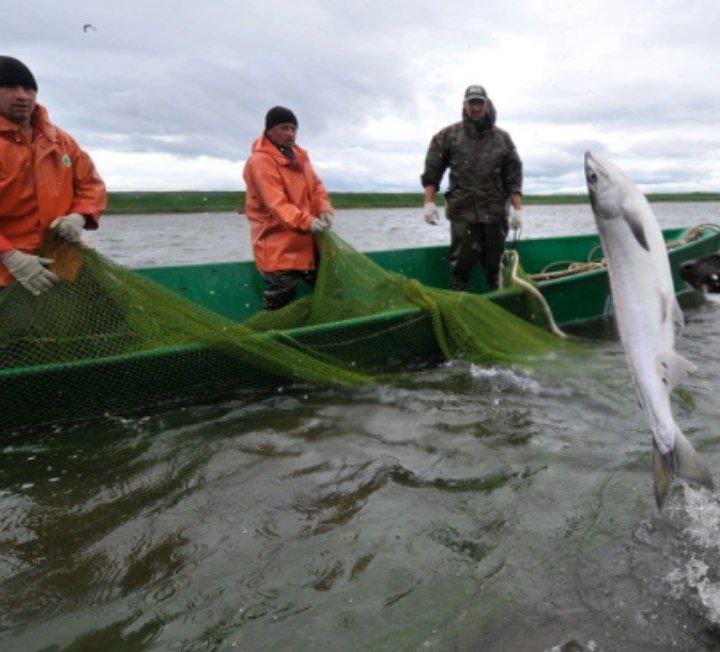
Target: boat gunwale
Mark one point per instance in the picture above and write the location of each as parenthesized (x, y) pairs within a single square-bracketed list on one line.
[(385, 316), (290, 333)]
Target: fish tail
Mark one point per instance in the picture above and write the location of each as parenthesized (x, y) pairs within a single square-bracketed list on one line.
[(663, 470), (690, 465), (683, 461)]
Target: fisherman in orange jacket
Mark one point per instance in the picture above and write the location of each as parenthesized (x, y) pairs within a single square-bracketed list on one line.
[(46, 182), (285, 203)]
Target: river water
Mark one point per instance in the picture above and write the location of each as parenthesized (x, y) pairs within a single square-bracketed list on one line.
[(470, 508)]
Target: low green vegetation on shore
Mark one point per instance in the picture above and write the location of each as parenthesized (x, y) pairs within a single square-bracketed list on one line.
[(226, 201)]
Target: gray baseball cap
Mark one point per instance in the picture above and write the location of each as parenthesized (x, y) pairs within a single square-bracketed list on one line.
[(475, 92)]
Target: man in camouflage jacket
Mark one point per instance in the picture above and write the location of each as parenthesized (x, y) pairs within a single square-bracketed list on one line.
[(485, 187)]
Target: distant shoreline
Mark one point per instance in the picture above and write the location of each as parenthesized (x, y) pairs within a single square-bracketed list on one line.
[(198, 201)]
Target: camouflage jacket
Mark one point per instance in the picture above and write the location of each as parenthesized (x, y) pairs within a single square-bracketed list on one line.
[(484, 169)]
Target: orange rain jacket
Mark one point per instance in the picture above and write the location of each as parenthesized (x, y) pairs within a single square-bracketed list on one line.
[(282, 198), (41, 180)]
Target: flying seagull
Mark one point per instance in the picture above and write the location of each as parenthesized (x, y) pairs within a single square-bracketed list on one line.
[(88, 26)]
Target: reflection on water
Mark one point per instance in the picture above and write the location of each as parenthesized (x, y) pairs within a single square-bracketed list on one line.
[(464, 508)]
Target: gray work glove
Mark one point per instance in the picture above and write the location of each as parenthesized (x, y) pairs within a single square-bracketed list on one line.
[(69, 227), (317, 225), (430, 212), (28, 270), (515, 218), (327, 218)]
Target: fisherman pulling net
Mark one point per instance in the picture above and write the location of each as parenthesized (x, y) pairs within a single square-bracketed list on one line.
[(102, 312)]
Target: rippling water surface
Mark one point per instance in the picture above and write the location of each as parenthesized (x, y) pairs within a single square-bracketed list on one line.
[(461, 508)]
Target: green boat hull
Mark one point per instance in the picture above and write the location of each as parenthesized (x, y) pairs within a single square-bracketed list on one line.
[(58, 392)]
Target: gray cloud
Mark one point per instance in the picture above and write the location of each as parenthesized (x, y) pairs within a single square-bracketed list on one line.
[(371, 82)]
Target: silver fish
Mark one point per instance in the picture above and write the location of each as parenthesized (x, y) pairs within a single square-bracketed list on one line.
[(647, 314)]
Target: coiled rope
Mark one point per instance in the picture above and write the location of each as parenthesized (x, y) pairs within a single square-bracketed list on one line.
[(573, 267)]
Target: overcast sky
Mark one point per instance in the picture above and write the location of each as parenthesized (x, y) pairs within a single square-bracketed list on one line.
[(171, 94)]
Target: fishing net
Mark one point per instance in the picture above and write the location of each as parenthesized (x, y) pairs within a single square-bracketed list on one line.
[(465, 326), (107, 339)]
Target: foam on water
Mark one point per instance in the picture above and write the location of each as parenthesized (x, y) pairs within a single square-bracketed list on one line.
[(703, 513), (503, 378), (699, 569)]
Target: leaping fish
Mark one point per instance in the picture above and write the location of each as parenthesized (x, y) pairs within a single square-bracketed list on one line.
[(647, 314)]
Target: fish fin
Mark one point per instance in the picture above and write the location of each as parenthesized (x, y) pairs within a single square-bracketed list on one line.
[(677, 314), (662, 466), (669, 306), (636, 227), (673, 369)]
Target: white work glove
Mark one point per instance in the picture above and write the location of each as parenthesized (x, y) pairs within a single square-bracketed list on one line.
[(69, 227), (514, 214), (430, 212), (317, 225), (327, 218), (28, 270)]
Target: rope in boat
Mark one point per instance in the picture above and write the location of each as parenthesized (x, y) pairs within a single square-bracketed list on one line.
[(529, 287), (573, 267), (693, 233)]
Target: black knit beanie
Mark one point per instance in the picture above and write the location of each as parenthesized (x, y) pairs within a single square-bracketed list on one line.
[(16, 73), (279, 115)]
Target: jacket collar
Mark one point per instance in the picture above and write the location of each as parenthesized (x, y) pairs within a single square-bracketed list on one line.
[(40, 122), (265, 145)]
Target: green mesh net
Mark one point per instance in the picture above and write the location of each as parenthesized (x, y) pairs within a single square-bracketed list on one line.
[(465, 326), (107, 339)]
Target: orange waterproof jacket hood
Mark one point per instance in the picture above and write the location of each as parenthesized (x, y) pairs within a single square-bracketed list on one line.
[(41, 180), (281, 200)]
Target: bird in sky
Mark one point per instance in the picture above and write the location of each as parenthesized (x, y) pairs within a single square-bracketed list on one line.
[(88, 26)]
